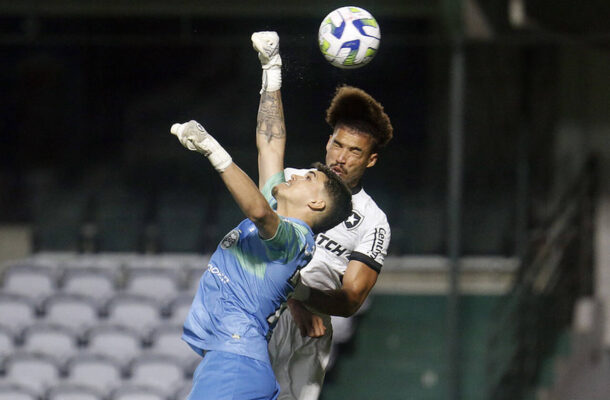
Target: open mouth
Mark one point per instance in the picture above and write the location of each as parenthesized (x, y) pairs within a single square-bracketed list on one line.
[(338, 170)]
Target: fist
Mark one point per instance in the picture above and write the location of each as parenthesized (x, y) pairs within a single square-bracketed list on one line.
[(190, 134)]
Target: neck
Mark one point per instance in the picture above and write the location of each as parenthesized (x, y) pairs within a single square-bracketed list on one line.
[(286, 210)]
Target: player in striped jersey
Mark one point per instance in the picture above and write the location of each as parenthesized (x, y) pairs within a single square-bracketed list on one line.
[(348, 257), (253, 269)]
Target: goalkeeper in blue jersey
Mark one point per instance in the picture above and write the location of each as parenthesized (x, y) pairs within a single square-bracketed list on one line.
[(255, 267)]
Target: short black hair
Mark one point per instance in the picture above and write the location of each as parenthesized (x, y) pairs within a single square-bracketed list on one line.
[(341, 200)]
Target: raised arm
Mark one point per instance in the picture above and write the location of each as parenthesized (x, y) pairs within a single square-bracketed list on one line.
[(244, 191), (270, 127)]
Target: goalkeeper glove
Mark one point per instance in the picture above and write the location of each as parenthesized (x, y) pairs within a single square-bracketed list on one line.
[(194, 137), (267, 44)]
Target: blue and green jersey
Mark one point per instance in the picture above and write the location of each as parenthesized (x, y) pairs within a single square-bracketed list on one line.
[(246, 282)]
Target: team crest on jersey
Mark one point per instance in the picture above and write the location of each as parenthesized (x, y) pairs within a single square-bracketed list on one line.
[(353, 220), (230, 239)]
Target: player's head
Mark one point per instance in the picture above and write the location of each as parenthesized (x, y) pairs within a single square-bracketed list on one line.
[(360, 130), (319, 197)]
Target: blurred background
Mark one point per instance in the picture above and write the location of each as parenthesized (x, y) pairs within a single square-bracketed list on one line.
[(497, 281)]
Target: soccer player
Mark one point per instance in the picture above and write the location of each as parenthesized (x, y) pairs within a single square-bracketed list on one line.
[(254, 267), (348, 257)]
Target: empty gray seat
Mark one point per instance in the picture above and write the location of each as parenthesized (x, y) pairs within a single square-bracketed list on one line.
[(73, 311), (7, 341), (157, 283), (94, 370), (136, 312), (130, 391), (117, 341), (73, 391), (162, 372), (178, 308), (30, 281), (54, 340), (167, 340), (98, 283), (10, 390), (16, 311), (32, 370)]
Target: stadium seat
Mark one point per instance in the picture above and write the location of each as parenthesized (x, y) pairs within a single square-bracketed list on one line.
[(57, 341), (98, 371), (157, 283), (130, 391), (136, 312), (15, 391), (31, 281), (71, 391), (166, 340), (183, 390), (164, 373), (16, 311), (32, 370), (7, 341), (178, 308), (73, 311), (117, 341), (193, 276), (98, 283)]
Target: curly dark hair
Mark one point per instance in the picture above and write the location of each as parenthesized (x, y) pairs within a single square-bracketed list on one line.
[(357, 109), (341, 200)]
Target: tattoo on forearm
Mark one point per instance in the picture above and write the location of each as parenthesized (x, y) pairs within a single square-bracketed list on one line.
[(270, 119)]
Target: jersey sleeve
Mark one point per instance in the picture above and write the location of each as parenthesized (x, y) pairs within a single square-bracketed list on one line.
[(275, 179), (373, 247), (288, 241)]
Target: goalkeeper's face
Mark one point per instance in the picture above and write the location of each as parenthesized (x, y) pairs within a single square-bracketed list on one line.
[(349, 153), (302, 190)]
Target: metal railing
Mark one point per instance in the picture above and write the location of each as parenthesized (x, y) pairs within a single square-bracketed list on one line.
[(555, 271)]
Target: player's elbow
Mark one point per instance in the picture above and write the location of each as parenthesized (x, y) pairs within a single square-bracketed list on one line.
[(258, 213), (350, 308)]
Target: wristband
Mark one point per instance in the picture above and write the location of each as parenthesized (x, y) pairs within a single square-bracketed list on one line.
[(301, 292)]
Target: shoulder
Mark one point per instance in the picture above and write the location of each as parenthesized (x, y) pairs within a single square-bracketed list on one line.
[(367, 209)]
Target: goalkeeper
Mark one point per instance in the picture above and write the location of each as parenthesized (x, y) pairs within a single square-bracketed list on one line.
[(348, 257), (254, 267)]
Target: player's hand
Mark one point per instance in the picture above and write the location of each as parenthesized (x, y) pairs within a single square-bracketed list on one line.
[(267, 44), (190, 134), (194, 137), (309, 324)]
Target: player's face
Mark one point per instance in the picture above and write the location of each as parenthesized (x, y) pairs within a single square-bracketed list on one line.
[(349, 153), (302, 188)]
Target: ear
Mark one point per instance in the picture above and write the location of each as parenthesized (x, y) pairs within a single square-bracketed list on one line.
[(316, 205), (372, 160)]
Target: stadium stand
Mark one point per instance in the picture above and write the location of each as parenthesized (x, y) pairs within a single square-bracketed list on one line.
[(15, 391), (69, 391), (57, 341), (95, 282)]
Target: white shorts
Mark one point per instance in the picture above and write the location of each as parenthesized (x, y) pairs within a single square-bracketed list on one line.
[(299, 363)]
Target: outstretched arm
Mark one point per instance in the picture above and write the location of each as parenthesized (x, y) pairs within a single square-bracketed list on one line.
[(358, 281), (247, 196), (270, 127)]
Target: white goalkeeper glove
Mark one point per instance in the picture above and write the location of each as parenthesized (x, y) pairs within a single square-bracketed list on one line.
[(267, 44), (194, 137)]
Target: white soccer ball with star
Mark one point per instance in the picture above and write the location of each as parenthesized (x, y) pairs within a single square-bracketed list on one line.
[(349, 37)]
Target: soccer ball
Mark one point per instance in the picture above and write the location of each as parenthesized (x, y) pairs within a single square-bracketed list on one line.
[(349, 37)]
